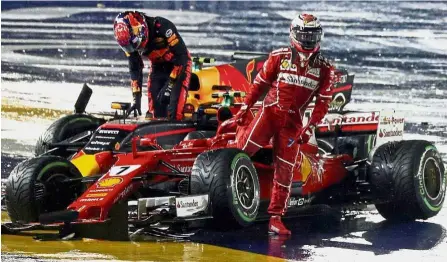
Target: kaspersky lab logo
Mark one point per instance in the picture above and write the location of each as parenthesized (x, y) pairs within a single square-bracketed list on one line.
[(337, 102)]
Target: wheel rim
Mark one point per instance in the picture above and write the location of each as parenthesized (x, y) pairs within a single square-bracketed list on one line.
[(52, 193), (245, 189), (432, 178)]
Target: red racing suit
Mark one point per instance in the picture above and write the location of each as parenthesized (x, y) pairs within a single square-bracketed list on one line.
[(290, 87)]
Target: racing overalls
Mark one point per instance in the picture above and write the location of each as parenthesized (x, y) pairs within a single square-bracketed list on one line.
[(290, 83), (169, 61)]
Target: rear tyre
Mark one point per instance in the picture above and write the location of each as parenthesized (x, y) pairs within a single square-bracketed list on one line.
[(409, 177), (63, 129), (230, 179), (36, 186)]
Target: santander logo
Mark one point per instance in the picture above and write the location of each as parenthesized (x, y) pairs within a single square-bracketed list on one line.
[(302, 81)]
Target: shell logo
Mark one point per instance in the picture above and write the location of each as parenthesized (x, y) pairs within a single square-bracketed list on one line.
[(110, 182), (285, 64)]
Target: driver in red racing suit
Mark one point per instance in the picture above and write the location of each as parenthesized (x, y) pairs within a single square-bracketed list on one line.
[(291, 77), (170, 71)]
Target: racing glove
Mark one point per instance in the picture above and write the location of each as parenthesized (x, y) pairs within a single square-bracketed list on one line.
[(164, 96), (136, 93), (304, 135)]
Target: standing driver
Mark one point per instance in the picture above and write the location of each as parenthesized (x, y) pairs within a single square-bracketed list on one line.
[(170, 70), (291, 77)]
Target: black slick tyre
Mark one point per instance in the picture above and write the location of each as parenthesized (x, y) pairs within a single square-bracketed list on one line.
[(408, 178), (37, 186), (63, 129), (231, 180)]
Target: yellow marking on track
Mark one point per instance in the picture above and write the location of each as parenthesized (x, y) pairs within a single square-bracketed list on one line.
[(5, 217), (89, 249), (20, 112)]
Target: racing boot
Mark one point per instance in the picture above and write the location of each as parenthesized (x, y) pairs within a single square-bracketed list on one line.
[(277, 227), (149, 115)]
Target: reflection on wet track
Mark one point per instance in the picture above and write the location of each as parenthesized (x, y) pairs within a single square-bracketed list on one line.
[(361, 238)]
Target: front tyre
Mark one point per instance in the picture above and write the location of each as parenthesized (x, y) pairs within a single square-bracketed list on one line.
[(410, 177), (38, 186), (230, 179)]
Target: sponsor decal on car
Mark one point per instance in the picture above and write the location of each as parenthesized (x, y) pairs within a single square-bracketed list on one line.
[(100, 190), (96, 195), (105, 137), (117, 146), (387, 120), (388, 133), (109, 182), (337, 102), (124, 193), (293, 201), (391, 127), (93, 148), (91, 199), (193, 203), (352, 119), (99, 143), (108, 131), (188, 144), (188, 206)]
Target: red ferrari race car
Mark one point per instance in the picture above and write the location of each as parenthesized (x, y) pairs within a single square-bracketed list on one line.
[(129, 176)]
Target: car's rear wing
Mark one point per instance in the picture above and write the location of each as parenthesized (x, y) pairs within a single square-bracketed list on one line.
[(348, 123), (386, 125)]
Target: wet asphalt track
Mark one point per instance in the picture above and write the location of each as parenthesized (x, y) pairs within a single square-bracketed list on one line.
[(389, 55)]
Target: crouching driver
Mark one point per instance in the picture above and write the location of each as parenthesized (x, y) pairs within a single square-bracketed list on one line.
[(291, 77), (170, 71)]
